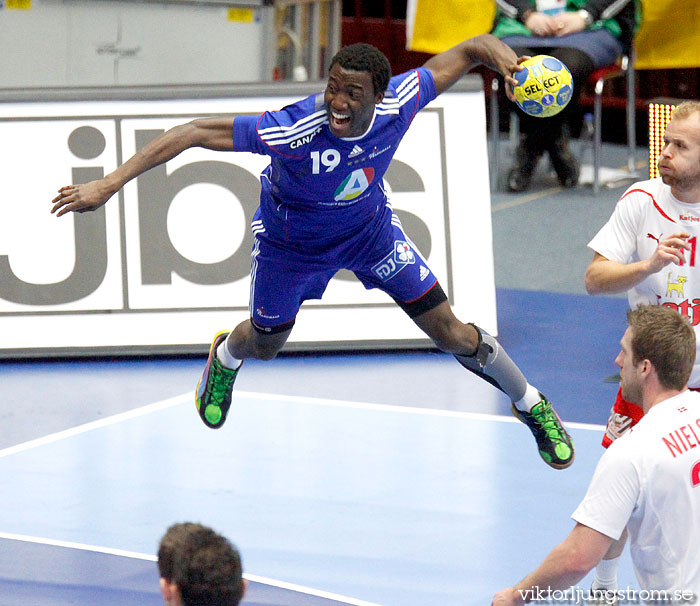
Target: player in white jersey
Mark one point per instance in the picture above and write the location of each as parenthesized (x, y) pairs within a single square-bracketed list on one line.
[(648, 481), (324, 208), (649, 248)]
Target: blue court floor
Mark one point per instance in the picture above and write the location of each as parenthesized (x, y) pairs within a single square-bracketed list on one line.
[(381, 478)]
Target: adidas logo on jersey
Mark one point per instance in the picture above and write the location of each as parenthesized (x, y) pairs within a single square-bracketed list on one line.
[(424, 272), (356, 151)]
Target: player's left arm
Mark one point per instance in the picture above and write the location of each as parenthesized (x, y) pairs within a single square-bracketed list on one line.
[(450, 65), (565, 566)]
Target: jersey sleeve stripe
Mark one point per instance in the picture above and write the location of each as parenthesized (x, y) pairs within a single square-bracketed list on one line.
[(410, 94), (410, 81), (300, 124), (267, 144), (282, 139), (405, 94)]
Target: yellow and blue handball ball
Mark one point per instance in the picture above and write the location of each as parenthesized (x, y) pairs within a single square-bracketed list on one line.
[(544, 87)]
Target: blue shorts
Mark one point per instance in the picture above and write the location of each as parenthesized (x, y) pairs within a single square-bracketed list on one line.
[(381, 256)]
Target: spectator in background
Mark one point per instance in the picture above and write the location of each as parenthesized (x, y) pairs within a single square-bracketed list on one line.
[(198, 566), (583, 34)]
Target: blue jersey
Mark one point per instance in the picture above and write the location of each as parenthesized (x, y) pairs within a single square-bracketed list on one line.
[(319, 189)]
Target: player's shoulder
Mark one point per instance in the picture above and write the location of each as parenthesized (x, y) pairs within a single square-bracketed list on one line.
[(408, 78), (294, 124), (622, 456), (403, 88), (669, 414), (630, 447), (645, 197), (645, 191), (300, 111)]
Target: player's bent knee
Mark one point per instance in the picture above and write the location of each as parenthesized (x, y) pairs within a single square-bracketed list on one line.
[(268, 341), (446, 331), (441, 335), (433, 298), (455, 337)]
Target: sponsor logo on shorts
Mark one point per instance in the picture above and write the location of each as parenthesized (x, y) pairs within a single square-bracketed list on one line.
[(395, 261)]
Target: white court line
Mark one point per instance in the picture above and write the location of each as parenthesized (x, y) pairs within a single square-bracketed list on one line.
[(151, 558), (314, 592), (71, 545), (437, 412), (186, 397), (74, 431)]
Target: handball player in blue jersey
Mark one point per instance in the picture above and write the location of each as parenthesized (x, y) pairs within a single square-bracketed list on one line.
[(323, 207)]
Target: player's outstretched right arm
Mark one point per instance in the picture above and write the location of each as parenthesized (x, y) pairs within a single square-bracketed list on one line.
[(210, 133)]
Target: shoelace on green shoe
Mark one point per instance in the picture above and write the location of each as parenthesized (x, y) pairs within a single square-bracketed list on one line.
[(219, 382), (548, 420)]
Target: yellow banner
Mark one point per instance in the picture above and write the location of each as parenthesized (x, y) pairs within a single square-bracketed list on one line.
[(243, 15), (669, 36), (440, 24)]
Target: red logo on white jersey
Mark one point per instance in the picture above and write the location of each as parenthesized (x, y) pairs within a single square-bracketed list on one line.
[(695, 475), (689, 308)]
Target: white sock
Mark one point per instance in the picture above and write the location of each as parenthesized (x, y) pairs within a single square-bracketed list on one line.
[(531, 397), (606, 574), (225, 357)]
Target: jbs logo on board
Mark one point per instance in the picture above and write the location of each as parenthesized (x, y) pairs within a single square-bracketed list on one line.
[(142, 251)]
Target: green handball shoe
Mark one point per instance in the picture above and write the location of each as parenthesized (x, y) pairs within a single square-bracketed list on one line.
[(213, 397), (554, 443)]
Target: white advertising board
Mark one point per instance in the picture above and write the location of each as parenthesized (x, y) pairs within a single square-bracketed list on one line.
[(165, 263)]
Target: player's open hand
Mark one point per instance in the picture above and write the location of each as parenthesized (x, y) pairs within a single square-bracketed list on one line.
[(509, 79), (670, 250), (507, 597), (80, 198)]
